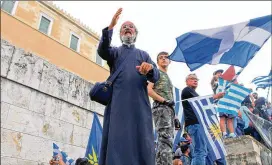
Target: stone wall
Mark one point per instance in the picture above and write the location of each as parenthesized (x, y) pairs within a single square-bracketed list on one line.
[(41, 104), (245, 150)]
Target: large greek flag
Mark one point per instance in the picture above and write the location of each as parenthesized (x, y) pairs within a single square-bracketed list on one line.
[(263, 81), (234, 44), (206, 114), (67, 160), (232, 100)]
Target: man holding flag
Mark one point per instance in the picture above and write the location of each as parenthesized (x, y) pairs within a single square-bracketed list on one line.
[(192, 125)]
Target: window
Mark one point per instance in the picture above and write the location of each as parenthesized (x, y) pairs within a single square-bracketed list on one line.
[(74, 42), (45, 24), (9, 6), (99, 60)]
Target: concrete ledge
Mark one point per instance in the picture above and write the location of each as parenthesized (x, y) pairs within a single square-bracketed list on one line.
[(245, 150)]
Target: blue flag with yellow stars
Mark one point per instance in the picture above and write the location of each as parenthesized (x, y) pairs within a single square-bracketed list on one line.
[(94, 143)]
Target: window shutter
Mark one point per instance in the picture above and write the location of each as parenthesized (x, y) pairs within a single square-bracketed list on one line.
[(8, 6), (44, 25), (98, 59), (74, 42)]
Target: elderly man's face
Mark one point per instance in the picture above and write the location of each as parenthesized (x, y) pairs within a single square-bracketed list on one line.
[(192, 82), (128, 29)]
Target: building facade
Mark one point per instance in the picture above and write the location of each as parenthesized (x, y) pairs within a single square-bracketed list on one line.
[(42, 28), (48, 66)]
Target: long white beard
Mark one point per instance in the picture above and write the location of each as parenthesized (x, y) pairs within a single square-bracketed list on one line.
[(128, 40)]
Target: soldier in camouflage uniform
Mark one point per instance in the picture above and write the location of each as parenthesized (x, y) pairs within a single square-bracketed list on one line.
[(163, 111)]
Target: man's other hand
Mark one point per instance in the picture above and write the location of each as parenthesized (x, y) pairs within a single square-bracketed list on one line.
[(144, 68)]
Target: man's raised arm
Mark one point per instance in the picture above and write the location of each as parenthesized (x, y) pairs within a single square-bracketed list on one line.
[(104, 49)]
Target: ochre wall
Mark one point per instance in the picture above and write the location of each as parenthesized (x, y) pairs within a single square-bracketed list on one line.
[(29, 12), (29, 38)]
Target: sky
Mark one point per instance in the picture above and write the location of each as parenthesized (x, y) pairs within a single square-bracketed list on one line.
[(161, 22)]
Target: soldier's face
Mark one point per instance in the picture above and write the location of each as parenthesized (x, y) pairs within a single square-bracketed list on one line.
[(163, 60)]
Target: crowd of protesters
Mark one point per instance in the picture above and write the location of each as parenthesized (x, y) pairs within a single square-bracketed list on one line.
[(129, 113)]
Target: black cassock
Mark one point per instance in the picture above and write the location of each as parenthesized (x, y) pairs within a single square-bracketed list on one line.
[(128, 137)]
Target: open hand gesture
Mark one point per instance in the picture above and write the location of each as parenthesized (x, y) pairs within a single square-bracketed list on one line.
[(115, 18)]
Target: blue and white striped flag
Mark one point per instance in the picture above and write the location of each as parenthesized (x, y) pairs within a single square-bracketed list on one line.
[(222, 84), (180, 115), (206, 114), (263, 81), (231, 102), (234, 44), (67, 160)]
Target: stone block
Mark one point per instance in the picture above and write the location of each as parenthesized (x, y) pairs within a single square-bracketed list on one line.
[(246, 158), (23, 120), (26, 68), (4, 112), (15, 161), (6, 57), (245, 150), (45, 104), (81, 136), (36, 148), (89, 120), (98, 108), (9, 161), (87, 99), (15, 94), (11, 143), (57, 130), (73, 114), (55, 81), (77, 91), (245, 143)]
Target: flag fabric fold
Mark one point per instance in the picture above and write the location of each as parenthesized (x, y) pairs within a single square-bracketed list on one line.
[(94, 143), (206, 114), (222, 85), (66, 159), (263, 81), (180, 115), (234, 44)]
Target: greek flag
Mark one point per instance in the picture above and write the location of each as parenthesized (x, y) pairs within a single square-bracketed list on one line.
[(179, 114), (222, 84), (234, 44), (206, 115), (264, 127), (263, 81), (67, 160), (232, 100)]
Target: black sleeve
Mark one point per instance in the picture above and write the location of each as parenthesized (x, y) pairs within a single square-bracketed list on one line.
[(187, 93)]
